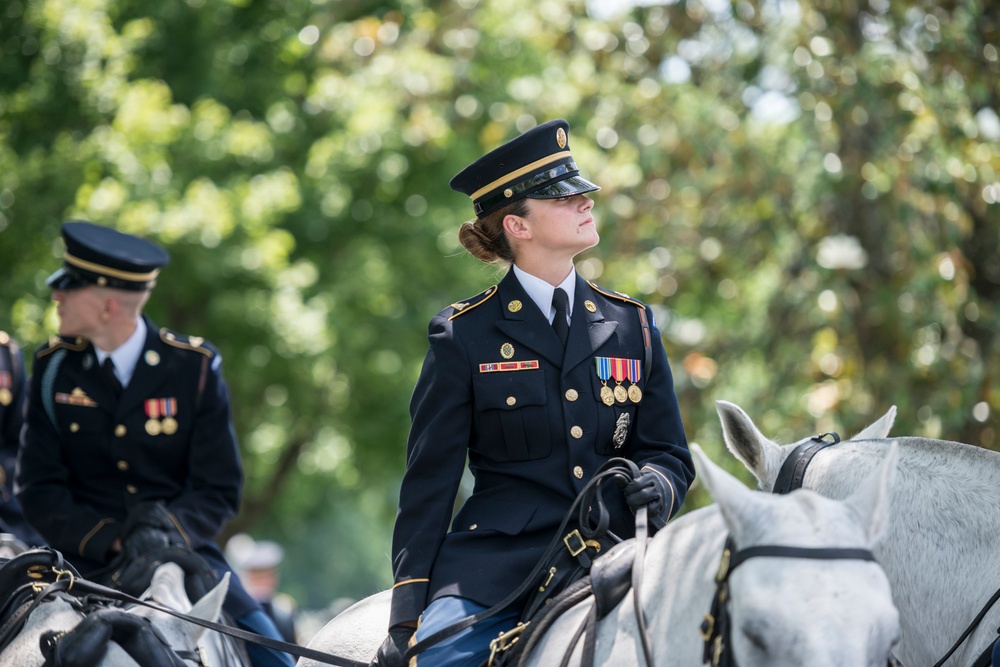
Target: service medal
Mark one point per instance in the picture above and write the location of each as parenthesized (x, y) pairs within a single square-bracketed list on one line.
[(169, 426), (620, 394), (634, 372), (634, 393), (153, 427), (607, 396)]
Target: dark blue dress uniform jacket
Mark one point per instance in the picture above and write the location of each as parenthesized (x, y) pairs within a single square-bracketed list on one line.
[(533, 439), (86, 460), (12, 386)]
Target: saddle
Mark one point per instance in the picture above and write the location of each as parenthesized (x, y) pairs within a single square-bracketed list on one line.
[(609, 581)]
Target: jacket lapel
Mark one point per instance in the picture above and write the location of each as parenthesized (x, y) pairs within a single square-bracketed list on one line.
[(526, 324), (589, 330), (149, 372)]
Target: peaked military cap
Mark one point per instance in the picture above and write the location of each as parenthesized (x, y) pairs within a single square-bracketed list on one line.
[(536, 164), (103, 256)]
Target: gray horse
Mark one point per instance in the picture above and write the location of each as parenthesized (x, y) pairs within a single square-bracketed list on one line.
[(831, 612), (941, 551)]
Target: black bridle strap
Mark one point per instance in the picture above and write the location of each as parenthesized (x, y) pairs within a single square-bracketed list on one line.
[(815, 553), (793, 470), (716, 629)]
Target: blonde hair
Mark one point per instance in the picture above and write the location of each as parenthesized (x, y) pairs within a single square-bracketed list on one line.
[(485, 238)]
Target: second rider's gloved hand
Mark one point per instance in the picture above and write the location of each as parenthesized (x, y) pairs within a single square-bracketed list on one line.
[(390, 653), (649, 490)]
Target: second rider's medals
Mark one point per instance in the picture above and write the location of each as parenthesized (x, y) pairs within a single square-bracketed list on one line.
[(169, 426), (634, 374), (153, 427)]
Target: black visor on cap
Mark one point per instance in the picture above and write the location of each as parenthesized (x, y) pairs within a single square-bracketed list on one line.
[(574, 185), (64, 279)]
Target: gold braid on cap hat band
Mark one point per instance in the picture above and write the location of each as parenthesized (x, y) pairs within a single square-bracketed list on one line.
[(107, 270), (520, 172)]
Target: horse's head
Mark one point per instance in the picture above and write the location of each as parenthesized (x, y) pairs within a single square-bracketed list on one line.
[(762, 456), (803, 587)]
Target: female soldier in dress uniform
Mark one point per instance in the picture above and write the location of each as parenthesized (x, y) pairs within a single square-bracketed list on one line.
[(538, 381), (123, 415)]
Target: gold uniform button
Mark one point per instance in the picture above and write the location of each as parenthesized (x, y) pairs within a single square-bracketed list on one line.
[(131, 488), (511, 400), (74, 427), (578, 472), (572, 395), (123, 466), (474, 526), (576, 432), (120, 430)]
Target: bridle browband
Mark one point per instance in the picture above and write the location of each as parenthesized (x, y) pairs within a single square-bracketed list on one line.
[(717, 626)]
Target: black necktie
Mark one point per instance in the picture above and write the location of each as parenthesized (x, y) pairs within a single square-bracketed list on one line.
[(109, 374), (560, 323)]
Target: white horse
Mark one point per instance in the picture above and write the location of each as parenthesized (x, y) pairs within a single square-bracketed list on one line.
[(197, 644), (941, 552), (193, 642), (784, 611)]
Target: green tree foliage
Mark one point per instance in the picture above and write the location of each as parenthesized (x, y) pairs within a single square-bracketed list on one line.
[(807, 193)]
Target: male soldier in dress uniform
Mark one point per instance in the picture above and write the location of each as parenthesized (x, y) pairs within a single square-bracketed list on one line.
[(537, 381), (12, 522), (122, 413)]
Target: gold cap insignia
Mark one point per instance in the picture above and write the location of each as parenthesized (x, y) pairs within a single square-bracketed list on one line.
[(152, 357), (506, 350), (508, 193), (561, 137), (589, 305), (514, 306)]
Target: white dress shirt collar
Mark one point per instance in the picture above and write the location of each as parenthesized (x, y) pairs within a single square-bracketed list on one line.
[(127, 355), (541, 292)]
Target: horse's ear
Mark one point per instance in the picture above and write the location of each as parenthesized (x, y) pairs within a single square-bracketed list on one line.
[(730, 495), (761, 456), (879, 429), (209, 606), (870, 500)]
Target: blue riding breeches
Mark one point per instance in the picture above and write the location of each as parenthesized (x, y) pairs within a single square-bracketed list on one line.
[(468, 648)]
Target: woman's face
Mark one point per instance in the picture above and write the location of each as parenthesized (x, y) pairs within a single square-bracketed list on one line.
[(562, 226)]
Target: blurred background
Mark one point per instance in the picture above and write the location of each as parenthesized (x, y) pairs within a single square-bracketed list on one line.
[(806, 192)]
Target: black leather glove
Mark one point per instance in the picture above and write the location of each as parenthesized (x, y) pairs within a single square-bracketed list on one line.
[(149, 527), (390, 653), (649, 490)]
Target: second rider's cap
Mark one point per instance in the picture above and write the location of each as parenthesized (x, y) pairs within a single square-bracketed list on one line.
[(103, 256)]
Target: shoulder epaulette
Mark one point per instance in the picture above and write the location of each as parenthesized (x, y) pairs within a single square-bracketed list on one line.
[(76, 344), (617, 295), (462, 307), (194, 343)]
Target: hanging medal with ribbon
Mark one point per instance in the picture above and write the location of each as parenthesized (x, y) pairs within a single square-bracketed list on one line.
[(634, 375), (153, 412), (169, 412), (604, 373), (619, 373), (6, 382)]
